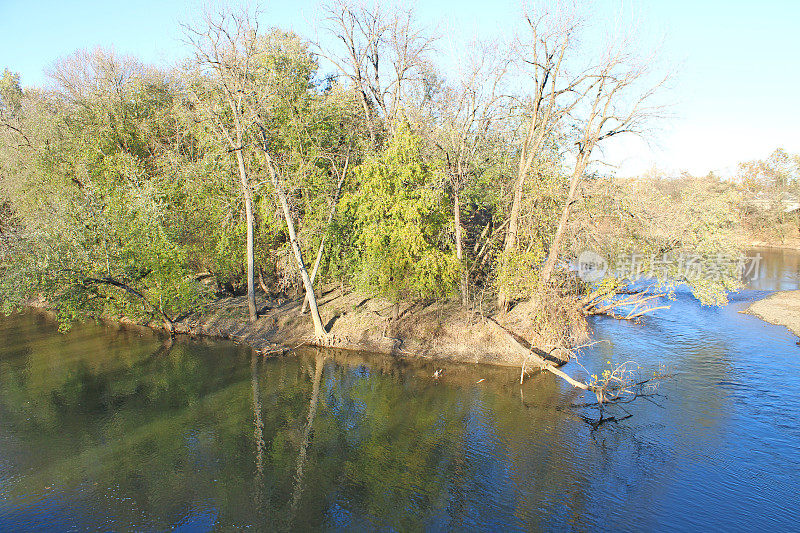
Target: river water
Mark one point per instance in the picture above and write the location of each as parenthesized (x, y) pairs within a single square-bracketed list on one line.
[(121, 430)]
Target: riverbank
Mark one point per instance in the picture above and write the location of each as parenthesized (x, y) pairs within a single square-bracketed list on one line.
[(781, 308), (444, 331), (139, 435), (790, 245)]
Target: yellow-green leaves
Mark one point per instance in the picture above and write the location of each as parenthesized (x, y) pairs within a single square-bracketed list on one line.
[(391, 224)]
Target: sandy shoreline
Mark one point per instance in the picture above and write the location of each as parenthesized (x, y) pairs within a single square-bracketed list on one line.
[(795, 245), (781, 308)]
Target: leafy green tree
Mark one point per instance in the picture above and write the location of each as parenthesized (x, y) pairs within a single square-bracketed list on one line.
[(92, 196), (392, 225)]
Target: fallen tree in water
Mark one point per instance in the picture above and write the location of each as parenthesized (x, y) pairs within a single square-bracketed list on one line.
[(614, 386), (622, 304)]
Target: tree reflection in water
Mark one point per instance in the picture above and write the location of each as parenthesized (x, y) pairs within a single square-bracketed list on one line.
[(105, 429)]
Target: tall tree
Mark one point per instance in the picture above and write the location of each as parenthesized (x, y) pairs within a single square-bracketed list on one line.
[(553, 91), (619, 102), (341, 174), (391, 224), (383, 52), (225, 50), (319, 329)]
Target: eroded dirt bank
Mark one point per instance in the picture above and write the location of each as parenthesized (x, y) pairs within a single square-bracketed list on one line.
[(442, 331)]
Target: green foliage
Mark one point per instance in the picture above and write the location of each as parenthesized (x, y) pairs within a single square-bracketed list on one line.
[(94, 234), (770, 192), (121, 184), (518, 270), (392, 223), (10, 95), (520, 274)]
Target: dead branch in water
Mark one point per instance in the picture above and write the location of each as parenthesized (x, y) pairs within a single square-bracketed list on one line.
[(606, 301), (614, 386), (644, 389)]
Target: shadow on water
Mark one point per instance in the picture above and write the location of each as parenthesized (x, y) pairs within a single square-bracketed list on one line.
[(120, 429)]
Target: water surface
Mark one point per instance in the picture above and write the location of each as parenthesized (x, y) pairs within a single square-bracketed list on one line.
[(121, 430)]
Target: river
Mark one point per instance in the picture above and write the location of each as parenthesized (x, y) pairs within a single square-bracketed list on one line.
[(119, 429)]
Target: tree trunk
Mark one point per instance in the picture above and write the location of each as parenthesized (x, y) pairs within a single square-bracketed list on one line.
[(248, 209), (327, 228), (319, 329), (552, 255), (261, 281), (368, 117), (459, 252), (527, 353), (510, 246), (314, 273)]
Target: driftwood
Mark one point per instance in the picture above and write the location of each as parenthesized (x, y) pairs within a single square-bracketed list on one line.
[(544, 360)]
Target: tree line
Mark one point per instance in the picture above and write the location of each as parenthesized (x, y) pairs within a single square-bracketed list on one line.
[(270, 161)]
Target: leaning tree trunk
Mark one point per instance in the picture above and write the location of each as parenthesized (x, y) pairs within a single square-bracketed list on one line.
[(327, 229), (319, 329), (552, 255), (248, 209), (459, 252), (537, 130)]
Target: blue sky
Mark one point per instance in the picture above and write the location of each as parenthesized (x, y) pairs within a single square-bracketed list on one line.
[(736, 63)]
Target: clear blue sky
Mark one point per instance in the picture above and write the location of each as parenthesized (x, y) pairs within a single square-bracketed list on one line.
[(735, 94)]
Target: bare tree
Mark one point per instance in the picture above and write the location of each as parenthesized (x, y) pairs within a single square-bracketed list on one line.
[(383, 53), (224, 58), (617, 104), (541, 62)]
